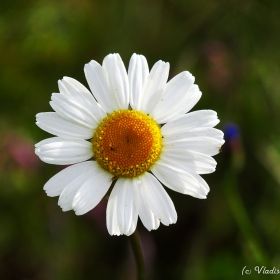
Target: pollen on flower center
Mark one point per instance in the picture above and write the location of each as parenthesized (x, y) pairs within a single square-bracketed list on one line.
[(127, 143)]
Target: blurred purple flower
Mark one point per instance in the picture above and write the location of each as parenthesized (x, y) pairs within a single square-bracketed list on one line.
[(233, 140)]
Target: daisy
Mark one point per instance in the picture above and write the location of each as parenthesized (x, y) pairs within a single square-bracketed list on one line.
[(139, 137)]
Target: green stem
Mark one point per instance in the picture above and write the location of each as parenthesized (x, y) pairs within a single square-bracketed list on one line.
[(242, 219), (138, 255)]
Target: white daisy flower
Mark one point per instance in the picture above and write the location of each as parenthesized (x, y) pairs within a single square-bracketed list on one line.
[(139, 137)]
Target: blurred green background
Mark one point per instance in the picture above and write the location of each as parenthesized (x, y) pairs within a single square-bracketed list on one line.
[(232, 48)]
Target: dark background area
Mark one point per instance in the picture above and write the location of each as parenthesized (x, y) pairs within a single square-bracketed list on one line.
[(232, 48)]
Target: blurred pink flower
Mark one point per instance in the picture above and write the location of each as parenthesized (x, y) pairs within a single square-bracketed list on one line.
[(218, 59), (20, 150)]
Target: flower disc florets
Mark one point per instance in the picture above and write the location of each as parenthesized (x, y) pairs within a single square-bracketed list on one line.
[(127, 143)]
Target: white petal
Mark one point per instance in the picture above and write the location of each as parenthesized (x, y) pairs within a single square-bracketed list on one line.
[(175, 178), (77, 110), (203, 186), (158, 200), (112, 214), (67, 195), (202, 118), (154, 87), (97, 80), (196, 132), (204, 145), (62, 151), (121, 215), (125, 205), (117, 80), (190, 100), (155, 221), (138, 72), (133, 222), (71, 87), (146, 215), (82, 98), (176, 90), (55, 124), (92, 191), (186, 104), (57, 183), (189, 160)]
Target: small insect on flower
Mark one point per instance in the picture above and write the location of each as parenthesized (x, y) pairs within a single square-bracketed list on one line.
[(140, 135), (114, 178)]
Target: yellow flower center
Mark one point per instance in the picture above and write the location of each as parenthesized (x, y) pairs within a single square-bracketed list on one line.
[(127, 143)]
